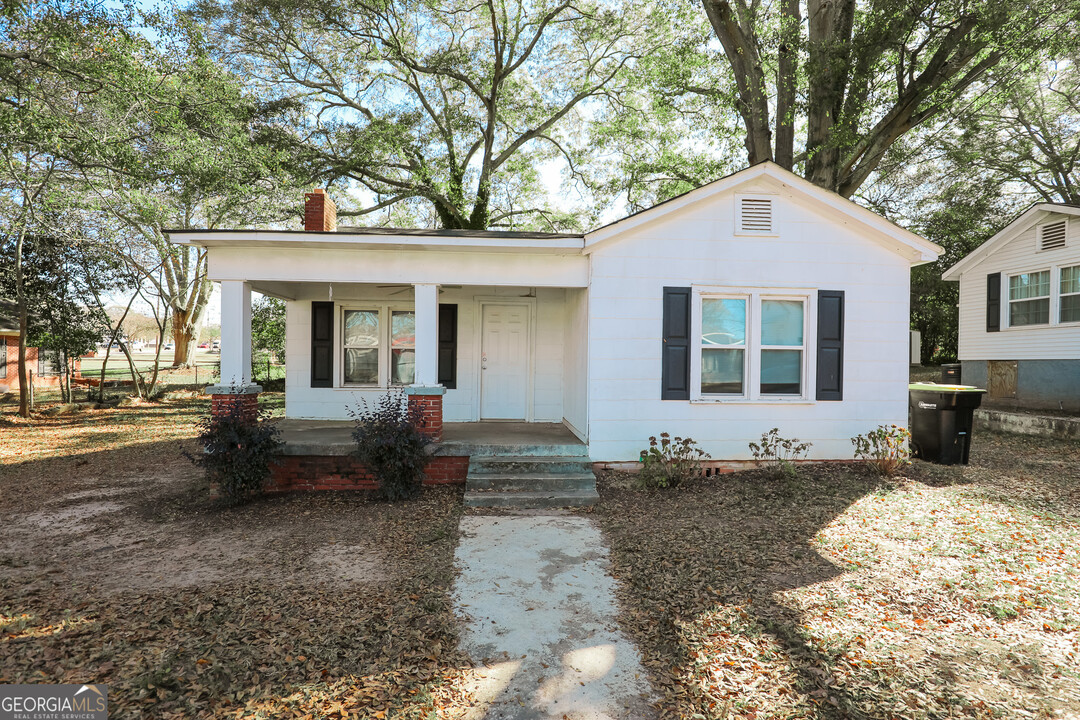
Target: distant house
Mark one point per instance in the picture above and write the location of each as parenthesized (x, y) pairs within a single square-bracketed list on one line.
[(757, 301), (44, 364), (1020, 310)]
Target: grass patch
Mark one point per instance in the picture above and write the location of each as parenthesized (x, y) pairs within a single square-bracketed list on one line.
[(948, 592)]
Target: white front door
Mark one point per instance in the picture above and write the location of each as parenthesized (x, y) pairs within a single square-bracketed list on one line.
[(504, 362)]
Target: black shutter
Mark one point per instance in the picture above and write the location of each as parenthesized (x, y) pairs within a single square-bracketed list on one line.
[(993, 302), (675, 352), (448, 346), (322, 344), (830, 345)]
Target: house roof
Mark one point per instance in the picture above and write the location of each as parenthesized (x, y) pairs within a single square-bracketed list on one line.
[(387, 239), (1033, 215), (906, 243)]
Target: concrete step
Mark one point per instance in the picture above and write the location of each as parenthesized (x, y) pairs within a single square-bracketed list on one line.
[(528, 482), (528, 464), (515, 450), (566, 498)]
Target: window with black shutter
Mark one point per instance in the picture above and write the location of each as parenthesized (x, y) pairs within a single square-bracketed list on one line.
[(675, 351), (322, 344), (993, 302), (830, 345), (448, 315)]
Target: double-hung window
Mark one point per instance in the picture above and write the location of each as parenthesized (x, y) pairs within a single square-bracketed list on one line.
[(1069, 303), (379, 346), (751, 346), (1029, 298)]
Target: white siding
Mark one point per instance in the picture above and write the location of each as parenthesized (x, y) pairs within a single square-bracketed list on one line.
[(460, 404), (300, 265), (813, 249), (1043, 342), (576, 362)]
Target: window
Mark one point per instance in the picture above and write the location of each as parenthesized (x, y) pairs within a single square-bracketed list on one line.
[(1070, 295), (752, 346), (3, 356), (1029, 298), (403, 347), (371, 357)]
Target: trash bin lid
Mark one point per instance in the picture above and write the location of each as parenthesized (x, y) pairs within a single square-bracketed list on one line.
[(935, 387)]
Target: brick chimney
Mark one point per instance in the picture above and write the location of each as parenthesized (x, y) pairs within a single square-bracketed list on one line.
[(320, 213)]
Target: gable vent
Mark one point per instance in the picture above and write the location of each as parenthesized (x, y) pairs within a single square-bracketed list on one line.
[(1052, 236), (755, 215)]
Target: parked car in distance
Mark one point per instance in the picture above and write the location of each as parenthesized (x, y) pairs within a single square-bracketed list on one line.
[(167, 346), (215, 346)]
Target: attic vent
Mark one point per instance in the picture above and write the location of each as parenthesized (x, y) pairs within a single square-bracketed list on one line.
[(1052, 236), (755, 215)]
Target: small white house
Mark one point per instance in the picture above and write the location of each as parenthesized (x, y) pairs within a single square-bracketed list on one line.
[(757, 301), (1020, 310)]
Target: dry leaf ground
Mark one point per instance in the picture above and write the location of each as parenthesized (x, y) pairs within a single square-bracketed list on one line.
[(116, 568), (950, 592)]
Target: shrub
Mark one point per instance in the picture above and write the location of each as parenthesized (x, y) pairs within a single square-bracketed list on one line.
[(238, 450), (668, 462), (779, 454), (390, 444), (886, 448)]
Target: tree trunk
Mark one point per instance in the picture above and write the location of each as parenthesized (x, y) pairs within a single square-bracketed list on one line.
[(830, 27), (20, 299), (183, 338), (786, 83)]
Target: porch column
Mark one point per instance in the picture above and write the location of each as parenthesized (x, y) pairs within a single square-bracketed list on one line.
[(235, 335), (425, 394), (427, 334)]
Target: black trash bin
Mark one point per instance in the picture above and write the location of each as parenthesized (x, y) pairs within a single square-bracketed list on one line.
[(941, 420), (950, 373)]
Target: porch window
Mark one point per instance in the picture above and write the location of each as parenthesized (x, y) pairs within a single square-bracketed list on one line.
[(1029, 298), (1070, 294), (752, 346), (402, 347), (361, 338)]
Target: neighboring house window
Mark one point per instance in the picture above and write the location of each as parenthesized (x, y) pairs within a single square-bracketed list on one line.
[(3, 357), (1070, 295), (1029, 298), (752, 346), (379, 346), (48, 362)]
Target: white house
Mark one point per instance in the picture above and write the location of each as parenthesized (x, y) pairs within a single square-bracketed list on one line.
[(757, 301), (1020, 310)]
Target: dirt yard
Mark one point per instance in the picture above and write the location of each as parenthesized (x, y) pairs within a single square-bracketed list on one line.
[(115, 568), (947, 592)]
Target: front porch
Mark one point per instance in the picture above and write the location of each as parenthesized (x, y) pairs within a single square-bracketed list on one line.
[(501, 463)]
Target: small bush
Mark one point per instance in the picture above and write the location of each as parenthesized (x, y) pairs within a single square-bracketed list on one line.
[(886, 449), (779, 454), (390, 444), (668, 462), (237, 452)]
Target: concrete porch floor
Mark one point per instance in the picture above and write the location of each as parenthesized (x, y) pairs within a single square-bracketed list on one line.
[(334, 437)]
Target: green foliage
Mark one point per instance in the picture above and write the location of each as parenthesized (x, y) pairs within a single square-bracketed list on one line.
[(268, 327), (668, 462), (238, 451), (447, 108), (885, 448), (390, 444), (779, 454)]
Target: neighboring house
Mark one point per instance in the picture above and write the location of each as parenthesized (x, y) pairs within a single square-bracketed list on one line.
[(44, 364), (756, 301), (1020, 310)]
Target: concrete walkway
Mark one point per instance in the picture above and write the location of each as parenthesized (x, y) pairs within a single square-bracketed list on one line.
[(540, 621)]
